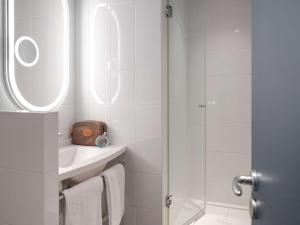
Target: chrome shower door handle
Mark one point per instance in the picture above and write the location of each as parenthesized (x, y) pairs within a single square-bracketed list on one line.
[(246, 180)]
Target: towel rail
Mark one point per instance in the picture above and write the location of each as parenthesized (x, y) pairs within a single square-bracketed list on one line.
[(61, 197)]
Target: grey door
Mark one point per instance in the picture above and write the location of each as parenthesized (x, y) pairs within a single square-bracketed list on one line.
[(276, 110)]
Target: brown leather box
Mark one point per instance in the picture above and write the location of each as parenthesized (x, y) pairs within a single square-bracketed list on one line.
[(86, 132)]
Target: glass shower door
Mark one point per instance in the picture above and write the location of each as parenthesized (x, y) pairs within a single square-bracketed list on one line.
[(186, 110)]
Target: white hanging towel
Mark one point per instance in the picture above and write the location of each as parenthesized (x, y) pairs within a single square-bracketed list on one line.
[(83, 203), (115, 190)]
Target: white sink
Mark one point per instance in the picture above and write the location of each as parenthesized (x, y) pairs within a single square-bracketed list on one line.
[(81, 162)]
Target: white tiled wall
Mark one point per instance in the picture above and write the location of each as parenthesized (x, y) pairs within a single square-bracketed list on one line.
[(228, 53), (123, 88), (67, 111), (128, 85), (29, 187), (29, 169)]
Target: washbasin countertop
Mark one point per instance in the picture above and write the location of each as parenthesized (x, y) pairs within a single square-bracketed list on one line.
[(75, 159)]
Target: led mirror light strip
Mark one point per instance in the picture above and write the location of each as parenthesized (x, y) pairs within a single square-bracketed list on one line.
[(17, 51), (97, 10), (11, 79)]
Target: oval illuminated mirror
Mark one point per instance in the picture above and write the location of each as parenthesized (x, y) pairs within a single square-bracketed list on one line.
[(37, 53)]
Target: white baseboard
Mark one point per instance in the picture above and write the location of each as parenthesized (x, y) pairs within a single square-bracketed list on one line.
[(224, 205)]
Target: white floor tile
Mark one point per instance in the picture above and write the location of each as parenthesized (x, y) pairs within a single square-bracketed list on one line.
[(224, 216)]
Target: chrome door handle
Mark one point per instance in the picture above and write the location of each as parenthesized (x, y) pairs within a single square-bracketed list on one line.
[(254, 207), (247, 180)]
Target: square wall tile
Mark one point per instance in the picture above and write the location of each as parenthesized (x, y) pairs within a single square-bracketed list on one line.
[(229, 89), (29, 151), (146, 216), (147, 190), (228, 114), (147, 156), (148, 121), (25, 198), (148, 68), (129, 216), (230, 62), (229, 139), (122, 87), (227, 165), (83, 112), (228, 24), (122, 121), (67, 118), (98, 112)]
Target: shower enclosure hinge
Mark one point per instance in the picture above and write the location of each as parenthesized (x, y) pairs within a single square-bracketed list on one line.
[(169, 11), (169, 201)]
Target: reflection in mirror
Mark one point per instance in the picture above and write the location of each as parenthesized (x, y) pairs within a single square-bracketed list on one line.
[(99, 67), (37, 53), (27, 51)]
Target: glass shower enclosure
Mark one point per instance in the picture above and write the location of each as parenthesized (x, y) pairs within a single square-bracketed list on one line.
[(186, 81)]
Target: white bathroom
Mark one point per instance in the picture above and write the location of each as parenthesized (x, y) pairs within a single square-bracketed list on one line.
[(149, 112)]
